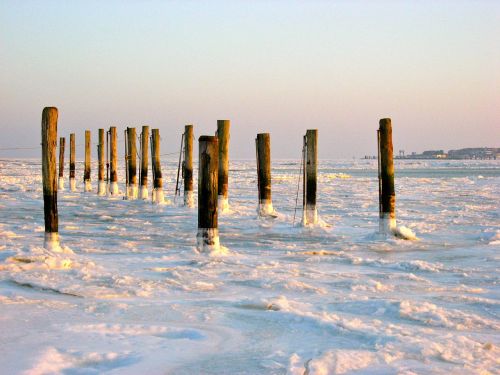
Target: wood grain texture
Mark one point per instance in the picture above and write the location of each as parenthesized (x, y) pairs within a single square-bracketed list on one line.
[(49, 175)]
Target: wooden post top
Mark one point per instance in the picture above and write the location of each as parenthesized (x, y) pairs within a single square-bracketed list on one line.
[(207, 138)]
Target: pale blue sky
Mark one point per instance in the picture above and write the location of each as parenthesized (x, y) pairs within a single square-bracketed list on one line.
[(276, 66)]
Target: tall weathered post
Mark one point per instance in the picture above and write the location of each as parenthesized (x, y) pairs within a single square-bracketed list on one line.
[(223, 127), (263, 150), (49, 176), (86, 171), (72, 150), (132, 164), (188, 166), (157, 192), (310, 214), (144, 161), (62, 144), (101, 187), (208, 232), (113, 162), (387, 196)]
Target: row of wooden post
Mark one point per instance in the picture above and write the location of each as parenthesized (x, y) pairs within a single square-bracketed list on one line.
[(212, 173)]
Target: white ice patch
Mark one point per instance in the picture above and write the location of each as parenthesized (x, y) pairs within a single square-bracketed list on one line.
[(207, 241), (189, 199), (341, 361), (101, 188), (51, 242), (56, 361), (404, 233), (157, 195), (132, 192), (266, 209), (144, 192), (113, 188), (223, 204), (88, 186), (310, 216)]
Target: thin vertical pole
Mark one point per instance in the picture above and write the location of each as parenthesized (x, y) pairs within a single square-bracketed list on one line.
[(113, 162), (311, 168), (223, 134), (101, 187), (188, 166), (157, 194), (388, 196), (208, 232), (86, 172), (72, 150), (263, 145), (62, 144), (132, 164), (49, 177), (177, 190), (144, 161)]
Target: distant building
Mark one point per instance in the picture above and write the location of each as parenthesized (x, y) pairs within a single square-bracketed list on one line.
[(463, 153)]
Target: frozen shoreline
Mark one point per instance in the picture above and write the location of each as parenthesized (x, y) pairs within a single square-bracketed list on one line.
[(130, 294)]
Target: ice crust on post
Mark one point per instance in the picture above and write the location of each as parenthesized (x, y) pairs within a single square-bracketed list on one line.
[(144, 162), (263, 151), (101, 183), (310, 212), (387, 197), (86, 172), (72, 150), (113, 162), (62, 144), (49, 178), (132, 189), (223, 135), (208, 232), (157, 192)]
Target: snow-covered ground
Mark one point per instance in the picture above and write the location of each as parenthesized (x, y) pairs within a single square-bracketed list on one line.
[(129, 293)]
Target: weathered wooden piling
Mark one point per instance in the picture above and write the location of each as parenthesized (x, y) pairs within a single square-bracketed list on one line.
[(387, 194), (131, 164), (208, 232), (49, 176), (187, 171), (101, 184), (113, 162), (144, 162), (157, 192), (310, 214), (263, 150), (223, 135), (86, 171), (72, 150), (62, 144)]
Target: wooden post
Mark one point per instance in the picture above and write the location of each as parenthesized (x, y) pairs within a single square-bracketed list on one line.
[(311, 169), (113, 162), (187, 171), (223, 127), (86, 172), (49, 176), (72, 181), (208, 232), (62, 144), (263, 149), (101, 187), (157, 192), (132, 164), (144, 161), (387, 197)]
